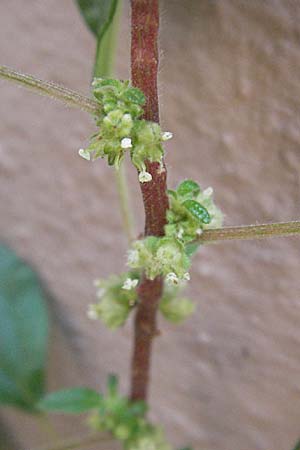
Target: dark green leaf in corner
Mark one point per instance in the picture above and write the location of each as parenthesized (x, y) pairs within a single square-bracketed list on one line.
[(101, 18), (297, 447), (23, 333), (72, 401)]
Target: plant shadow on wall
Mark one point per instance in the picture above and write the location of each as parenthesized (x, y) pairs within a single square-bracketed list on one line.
[(177, 223)]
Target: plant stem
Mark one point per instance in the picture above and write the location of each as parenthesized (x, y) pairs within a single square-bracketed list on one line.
[(71, 444), (52, 90), (268, 230), (106, 42), (144, 66), (127, 217)]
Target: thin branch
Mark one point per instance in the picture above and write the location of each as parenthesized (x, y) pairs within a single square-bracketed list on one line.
[(269, 230), (52, 90), (81, 442)]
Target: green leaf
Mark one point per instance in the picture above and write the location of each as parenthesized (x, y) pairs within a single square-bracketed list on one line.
[(297, 447), (134, 95), (188, 187), (73, 401), (101, 18), (197, 210), (23, 333)]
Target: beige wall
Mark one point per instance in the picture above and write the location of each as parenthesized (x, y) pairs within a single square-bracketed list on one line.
[(228, 379)]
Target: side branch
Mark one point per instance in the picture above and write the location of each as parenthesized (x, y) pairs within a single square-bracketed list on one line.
[(268, 230), (52, 90)]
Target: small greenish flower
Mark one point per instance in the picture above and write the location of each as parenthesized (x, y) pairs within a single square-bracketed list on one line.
[(175, 308), (117, 296)]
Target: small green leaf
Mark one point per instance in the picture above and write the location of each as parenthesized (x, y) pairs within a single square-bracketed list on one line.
[(134, 95), (297, 447), (23, 333), (100, 17), (197, 210), (188, 187), (97, 14), (72, 401)]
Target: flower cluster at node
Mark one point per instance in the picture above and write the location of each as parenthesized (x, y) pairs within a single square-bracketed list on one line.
[(117, 297), (126, 421), (191, 211), (160, 257), (121, 129)]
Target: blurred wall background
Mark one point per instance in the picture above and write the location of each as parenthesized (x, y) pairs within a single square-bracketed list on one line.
[(229, 378)]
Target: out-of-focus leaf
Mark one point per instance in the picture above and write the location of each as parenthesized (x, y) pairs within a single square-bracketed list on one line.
[(100, 17), (73, 401), (97, 14), (297, 447), (23, 333)]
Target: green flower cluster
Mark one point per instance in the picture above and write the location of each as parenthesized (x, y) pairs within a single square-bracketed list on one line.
[(160, 257), (191, 211), (126, 421), (121, 129), (117, 297)]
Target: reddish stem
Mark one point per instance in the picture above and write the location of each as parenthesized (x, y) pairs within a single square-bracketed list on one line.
[(144, 66)]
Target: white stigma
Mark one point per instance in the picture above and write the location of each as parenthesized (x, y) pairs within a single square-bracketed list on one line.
[(208, 192), (92, 312), (172, 278), (84, 154), (187, 276), (166, 135), (180, 233), (126, 143), (145, 177), (133, 257), (130, 283)]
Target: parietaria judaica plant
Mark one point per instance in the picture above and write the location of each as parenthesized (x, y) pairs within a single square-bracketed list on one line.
[(191, 209)]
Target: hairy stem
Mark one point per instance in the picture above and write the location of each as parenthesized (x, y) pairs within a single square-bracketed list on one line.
[(268, 230), (52, 90), (144, 66)]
